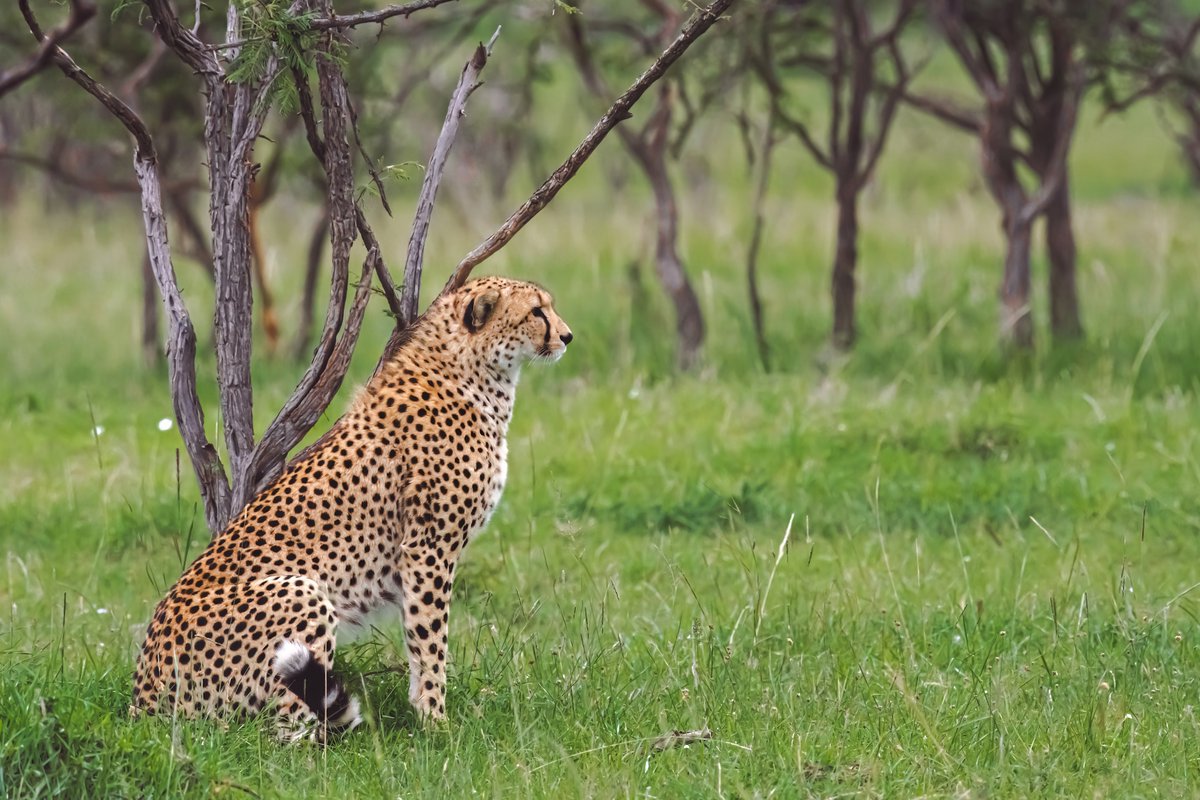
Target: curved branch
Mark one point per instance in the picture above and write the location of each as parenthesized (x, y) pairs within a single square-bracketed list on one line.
[(183, 41), (619, 111), (370, 17), (81, 12)]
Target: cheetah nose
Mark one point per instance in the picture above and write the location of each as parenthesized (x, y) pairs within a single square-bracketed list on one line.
[(567, 337)]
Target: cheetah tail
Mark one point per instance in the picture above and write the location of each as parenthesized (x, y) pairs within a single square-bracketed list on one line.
[(321, 691)]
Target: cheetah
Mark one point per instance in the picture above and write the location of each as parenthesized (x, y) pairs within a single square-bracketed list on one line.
[(375, 514)]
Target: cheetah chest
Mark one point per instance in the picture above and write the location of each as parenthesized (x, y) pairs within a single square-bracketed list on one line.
[(496, 487)]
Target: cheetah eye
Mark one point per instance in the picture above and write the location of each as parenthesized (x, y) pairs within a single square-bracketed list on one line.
[(537, 312)]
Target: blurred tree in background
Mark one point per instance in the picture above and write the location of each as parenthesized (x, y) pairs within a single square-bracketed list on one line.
[(239, 104)]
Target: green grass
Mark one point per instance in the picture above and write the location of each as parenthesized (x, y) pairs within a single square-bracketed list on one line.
[(988, 585)]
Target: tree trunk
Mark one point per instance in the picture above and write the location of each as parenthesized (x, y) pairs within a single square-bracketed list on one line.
[(152, 353), (761, 182), (844, 261), (1016, 317), (1189, 138), (689, 320), (1060, 247)]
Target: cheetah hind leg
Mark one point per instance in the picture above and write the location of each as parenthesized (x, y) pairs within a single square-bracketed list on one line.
[(320, 704)]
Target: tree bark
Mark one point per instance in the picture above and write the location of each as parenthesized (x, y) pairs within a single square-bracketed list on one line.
[(1189, 138), (1016, 317), (151, 351), (845, 260), (689, 319), (1065, 323), (1004, 184), (762, 180)]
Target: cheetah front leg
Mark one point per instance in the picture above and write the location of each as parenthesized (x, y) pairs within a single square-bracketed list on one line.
[(426, 581)]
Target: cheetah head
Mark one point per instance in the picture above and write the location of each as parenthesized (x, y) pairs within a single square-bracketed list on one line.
[(511, 322)]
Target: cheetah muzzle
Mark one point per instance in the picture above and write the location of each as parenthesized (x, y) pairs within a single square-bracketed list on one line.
[(375, 514)]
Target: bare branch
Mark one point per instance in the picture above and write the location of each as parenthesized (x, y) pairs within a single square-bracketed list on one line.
[(386, 285), (886, 114), (761, 61), (1055, 176), (595, 83), (801, 132), (88, 182), (468, 81), (81, 12), (144, 71), (331, 359), (181, 40), (380, 16), (181, 347), (619, 111), (945, 110)]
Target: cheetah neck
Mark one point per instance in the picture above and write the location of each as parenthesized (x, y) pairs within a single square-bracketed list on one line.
[(428, 361)]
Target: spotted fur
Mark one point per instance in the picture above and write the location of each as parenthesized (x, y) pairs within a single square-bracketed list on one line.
[(375, 514)]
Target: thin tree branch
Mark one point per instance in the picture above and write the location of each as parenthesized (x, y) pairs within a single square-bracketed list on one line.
[(468, 82), (145, 70), (81, 12), (182, 41), (945, 110), (886, 112), (1055, 176), (619, 111), (333, 22), (761, 63), (87, 182), (634, 140)]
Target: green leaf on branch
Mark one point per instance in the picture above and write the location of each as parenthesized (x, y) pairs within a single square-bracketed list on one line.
[(271, 30), (390, 173)]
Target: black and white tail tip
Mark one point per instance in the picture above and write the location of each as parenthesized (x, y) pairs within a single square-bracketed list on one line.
[(307, 678)]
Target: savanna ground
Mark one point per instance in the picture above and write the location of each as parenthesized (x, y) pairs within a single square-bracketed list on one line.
[(988, 586)]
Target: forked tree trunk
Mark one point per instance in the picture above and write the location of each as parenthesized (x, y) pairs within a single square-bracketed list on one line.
[(1060, 247), (689, 320), (1004, 184), (844, 261)]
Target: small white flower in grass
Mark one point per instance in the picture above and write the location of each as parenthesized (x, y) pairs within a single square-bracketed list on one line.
[(165, 424), (98, 430), (101, 610)]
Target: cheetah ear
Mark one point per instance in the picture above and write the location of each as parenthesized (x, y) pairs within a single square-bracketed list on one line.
[(480, 310)]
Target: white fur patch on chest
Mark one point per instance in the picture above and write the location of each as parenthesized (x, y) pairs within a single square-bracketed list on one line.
[(498, 480)]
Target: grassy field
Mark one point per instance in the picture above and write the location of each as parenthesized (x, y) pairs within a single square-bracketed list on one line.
[(919, 570)]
